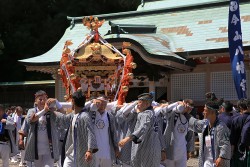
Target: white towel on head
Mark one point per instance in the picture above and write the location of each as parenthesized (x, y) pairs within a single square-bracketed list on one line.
[(154, 103)]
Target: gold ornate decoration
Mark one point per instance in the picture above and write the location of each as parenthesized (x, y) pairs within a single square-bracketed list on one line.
[(96, 51), (125, 88), (96, 66), (131, 75), (133, 65), (92, 23)]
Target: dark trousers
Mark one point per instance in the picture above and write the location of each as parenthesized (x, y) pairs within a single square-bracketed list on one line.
[(236, 162)]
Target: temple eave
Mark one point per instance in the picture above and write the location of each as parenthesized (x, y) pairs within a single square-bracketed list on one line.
[(43, 69)]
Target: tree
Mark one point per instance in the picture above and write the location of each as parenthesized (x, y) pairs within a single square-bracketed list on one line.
[(31, 27), (1, 45)]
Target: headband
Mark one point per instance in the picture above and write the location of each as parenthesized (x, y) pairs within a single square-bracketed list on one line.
[(211, 108), (146, 96), (102, 98)]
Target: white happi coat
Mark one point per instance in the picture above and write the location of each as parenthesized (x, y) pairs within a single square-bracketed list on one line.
[(31, 145)]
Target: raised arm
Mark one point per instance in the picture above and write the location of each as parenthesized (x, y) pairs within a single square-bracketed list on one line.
[(195, 124), (129, 109), (88, 104), (30, 116), (112, 107), (119, 115), (9, 123), (62, 120), (33, 116), (166, 109)]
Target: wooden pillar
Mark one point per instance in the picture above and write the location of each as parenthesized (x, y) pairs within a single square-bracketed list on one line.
[(57, 87), (169, 93), (105, 87), (60, 90), (152, 86), (208, 78), (89, 87)]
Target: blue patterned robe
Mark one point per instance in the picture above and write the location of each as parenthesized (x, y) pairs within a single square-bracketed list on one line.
[(221, 137), (85, 136), (146, 146)]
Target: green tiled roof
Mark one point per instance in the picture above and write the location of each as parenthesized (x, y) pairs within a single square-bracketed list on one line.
[(198, 29), (151, 42), (54, 55), (155, 44), (188, 30)]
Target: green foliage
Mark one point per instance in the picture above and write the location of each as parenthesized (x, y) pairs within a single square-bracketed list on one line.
[(32, 27)]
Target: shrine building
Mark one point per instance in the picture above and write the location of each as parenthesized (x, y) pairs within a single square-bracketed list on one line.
[(180, 48)]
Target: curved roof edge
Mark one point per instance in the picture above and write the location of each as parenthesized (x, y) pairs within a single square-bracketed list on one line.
[(154, 44), (157, 59), (168, 4)]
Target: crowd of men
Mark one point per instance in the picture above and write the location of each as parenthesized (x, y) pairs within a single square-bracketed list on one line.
[(141, 133)]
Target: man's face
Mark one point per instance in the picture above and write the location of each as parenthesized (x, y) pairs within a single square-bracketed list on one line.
[(241, 110), (101, 105), (142, 105), (19, 112), (208, 113), (222, 109), (188, 108), (13, 110), (41, 100), (9, 111)]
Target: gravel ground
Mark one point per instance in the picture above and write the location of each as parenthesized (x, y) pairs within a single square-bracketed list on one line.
[(193, 162)]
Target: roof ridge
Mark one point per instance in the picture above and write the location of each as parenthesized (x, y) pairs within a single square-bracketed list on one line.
[(174, 4), (153, 11)]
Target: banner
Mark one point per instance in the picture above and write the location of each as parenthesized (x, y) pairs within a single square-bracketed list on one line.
[(236, 49)]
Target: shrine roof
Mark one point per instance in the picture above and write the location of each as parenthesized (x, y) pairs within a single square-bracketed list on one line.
[(194, 29), (163, 4), (154, 44)]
